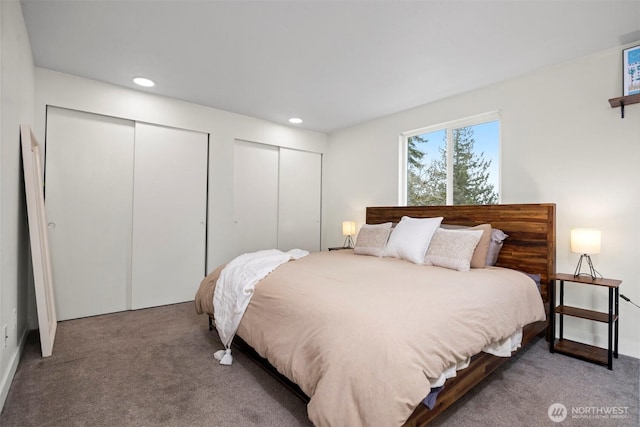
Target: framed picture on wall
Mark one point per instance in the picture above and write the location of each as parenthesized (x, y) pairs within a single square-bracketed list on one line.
[(631, 71)]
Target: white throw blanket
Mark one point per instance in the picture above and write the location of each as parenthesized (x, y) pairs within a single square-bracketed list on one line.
[(235, 287)]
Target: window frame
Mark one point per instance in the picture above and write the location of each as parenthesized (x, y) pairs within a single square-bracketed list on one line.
[(448, 127)]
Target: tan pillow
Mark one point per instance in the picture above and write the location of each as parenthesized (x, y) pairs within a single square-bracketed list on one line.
[(482, 250), (452, 248), (371, 240)]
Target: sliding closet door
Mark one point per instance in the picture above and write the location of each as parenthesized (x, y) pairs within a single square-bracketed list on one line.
[(277, 193), (299, 200), (255, 201), (89, 170), (169, 215)]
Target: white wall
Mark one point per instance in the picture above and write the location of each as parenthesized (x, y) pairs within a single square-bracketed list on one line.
[(561, 143), (16, 107), (64, 90)]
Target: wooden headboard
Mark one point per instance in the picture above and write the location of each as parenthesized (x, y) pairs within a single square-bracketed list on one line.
[(530, 247)]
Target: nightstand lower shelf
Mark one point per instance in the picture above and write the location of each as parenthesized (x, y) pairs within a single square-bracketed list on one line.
[(582, 351), (587, 352)]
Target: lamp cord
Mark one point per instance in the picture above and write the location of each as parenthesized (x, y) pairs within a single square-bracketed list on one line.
[(598, 274), (629, 301)]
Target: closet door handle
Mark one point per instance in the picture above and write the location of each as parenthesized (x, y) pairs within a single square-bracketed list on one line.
[(51, 225)]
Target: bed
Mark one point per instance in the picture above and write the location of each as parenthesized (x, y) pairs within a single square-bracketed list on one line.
[(278, 339)]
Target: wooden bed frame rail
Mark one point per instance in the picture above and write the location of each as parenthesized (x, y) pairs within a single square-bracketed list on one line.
[(481, 366)]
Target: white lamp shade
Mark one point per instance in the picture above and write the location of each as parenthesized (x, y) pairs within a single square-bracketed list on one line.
[(585, 241), (348, 228)]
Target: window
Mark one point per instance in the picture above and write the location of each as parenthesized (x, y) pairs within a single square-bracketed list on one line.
[(455, 163)]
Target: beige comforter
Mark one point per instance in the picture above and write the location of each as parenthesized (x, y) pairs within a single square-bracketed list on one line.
[(361, 335)]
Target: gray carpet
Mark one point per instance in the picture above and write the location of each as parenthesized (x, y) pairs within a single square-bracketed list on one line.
[(154, 367)]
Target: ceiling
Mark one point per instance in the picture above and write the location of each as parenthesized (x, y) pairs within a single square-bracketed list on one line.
[(332, 63)]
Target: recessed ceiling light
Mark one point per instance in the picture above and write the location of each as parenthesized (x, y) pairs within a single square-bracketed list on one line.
[(142, 81), (295, 120)]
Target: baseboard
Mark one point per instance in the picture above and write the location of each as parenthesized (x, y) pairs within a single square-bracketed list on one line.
[(5, 384)]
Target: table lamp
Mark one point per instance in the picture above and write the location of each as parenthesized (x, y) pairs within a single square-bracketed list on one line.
[(348, 229), (586, 242)]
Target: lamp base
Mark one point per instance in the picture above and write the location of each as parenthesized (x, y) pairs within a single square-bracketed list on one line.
[(592, 271), (348, 243)]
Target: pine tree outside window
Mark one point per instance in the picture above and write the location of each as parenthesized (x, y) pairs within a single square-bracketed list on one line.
[(456, 163)]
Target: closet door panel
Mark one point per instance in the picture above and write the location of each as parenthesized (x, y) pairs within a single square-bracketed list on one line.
[(169, 215), (299, 200), (255, 201), (89, 170)]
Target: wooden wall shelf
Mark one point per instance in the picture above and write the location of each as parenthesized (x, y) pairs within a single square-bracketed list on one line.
[(621, 101)]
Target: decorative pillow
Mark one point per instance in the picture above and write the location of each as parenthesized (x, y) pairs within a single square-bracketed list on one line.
[(383, 225), (478, 260), (452, 248), (497, 237), (372, 239), (410, 238)]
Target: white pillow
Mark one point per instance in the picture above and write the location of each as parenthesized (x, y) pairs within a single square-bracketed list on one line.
[(452, 248), (410, 238)]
